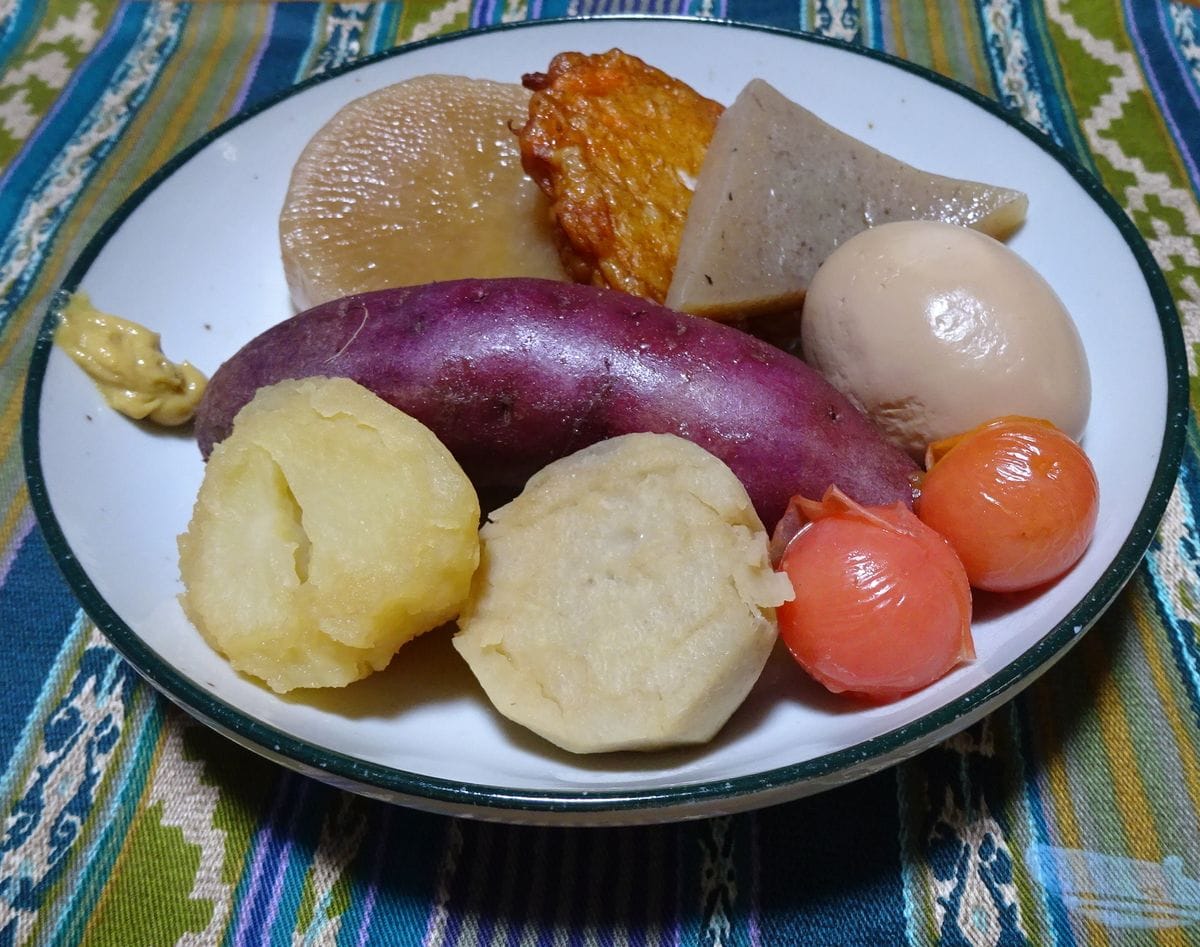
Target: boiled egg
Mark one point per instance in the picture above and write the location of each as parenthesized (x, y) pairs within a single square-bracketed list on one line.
[(933, 328)]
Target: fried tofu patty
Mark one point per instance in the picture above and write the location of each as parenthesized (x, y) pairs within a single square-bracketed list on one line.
[(616, 145)]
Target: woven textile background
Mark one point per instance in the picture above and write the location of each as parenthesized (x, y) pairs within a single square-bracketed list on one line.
[(112, 799)]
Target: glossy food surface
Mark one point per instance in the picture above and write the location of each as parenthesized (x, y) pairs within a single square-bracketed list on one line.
[(514, 373), (420, 180), (933, 328), (882, 606), (1017, 499)]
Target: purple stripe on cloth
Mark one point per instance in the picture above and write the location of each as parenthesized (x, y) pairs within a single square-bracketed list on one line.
[(754, 905), (1158, 53), (459, 887), (285, 854), (368, 910), (255, 62), (266, 844), (9, 554), (255, 875), (1192, 89), (482, 13)]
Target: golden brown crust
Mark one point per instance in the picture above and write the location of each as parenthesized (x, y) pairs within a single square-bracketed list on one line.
[(616, 145)]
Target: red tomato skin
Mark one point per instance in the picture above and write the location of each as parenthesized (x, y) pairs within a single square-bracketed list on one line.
[(1017, 498), (882, 605)]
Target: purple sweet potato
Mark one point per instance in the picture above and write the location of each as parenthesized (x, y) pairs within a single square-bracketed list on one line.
[(514, 373)]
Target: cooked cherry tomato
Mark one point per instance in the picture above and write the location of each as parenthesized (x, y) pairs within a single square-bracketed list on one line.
[(882, 604), (1017, 499)]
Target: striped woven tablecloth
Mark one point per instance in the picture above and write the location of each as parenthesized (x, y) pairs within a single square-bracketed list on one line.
[(126, 823)]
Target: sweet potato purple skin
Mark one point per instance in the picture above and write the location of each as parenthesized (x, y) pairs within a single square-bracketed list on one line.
[(514, 373)]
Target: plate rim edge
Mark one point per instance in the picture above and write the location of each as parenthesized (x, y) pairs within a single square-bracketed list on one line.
[(501, 801)]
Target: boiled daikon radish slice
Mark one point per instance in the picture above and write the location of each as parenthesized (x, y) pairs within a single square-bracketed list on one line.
[(416, 182)]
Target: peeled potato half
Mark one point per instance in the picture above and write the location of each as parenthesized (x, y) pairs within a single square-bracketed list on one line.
[(624, 600), (330, 528), (415, 182)]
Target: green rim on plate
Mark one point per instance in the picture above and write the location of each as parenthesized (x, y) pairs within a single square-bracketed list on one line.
[(778, 783)]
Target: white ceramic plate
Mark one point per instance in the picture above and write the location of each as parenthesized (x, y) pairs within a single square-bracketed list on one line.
[(195, 255)]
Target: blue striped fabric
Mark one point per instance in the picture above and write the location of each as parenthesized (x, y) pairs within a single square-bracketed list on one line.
[(1169, 44), (128, 824)]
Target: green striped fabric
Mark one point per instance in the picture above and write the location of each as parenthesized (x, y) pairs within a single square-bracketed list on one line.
[(126, 823)]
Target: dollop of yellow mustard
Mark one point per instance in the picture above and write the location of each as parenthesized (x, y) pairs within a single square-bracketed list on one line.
[(126, 362)]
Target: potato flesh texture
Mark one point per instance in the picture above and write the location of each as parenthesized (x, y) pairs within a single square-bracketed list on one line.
[(649, 627), (384, 547), (419, 181), (780, 189), (244, 594), (512, 374), (355, 465)]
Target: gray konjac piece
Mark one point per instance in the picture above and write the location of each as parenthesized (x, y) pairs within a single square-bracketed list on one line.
[(780, 189)]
